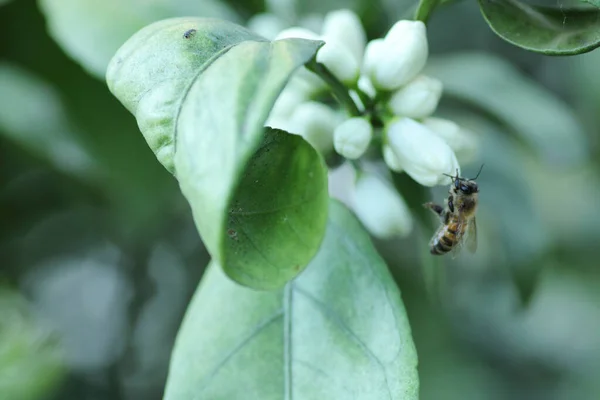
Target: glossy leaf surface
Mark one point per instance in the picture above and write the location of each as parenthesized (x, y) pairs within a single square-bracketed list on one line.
[(548, 30)]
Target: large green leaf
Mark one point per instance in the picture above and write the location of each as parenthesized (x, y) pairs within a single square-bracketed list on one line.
[(91, 31), (201, 90), (547, 30), (535, 115), (338, 331)]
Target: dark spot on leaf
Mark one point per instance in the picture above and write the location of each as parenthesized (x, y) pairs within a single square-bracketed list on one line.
[(189, 33), (232, 234), (297, 267)]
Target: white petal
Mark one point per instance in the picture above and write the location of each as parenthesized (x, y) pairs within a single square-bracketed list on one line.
[(340, 61), (352, 137), (345, 27), (380, 207), (297, 32), (402, 57), (315, 122), (266, 24), (418, 99), (373, 53), (390, 159), (464, 142), (421, 153)]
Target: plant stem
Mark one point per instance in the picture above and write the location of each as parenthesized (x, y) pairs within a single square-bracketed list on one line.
[(425, 9), (340, 92)]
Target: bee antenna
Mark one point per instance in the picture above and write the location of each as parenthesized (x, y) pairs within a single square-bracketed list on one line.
[(449, 176), (477, 173)]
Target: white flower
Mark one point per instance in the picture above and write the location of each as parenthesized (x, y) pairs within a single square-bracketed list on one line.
[(380, 208), (266, 24), (315, 122), (352, 137), (418, 99), (421, 153), (344, 26), (344, 39), (373, 53), (390, 159), (462, 141), (339, 60), (297, 32), (396, 59)]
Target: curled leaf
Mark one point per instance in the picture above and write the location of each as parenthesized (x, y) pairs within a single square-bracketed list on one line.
[(201, 91)]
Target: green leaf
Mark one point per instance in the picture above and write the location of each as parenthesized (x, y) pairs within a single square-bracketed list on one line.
[(595, 3), (548, 30), (339, 331), (495, 87), (201, 91), (152, 72), (277, 219), (91, 31)]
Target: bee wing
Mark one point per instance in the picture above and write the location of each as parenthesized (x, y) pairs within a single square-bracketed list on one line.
[(471, 236)]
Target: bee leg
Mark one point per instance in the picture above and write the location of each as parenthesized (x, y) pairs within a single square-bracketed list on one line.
[(436, 208), (451, 203)]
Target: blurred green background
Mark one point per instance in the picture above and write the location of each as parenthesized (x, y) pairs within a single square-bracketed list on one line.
[(99, 255)]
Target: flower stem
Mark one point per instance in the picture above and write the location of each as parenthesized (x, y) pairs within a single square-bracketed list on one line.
[(425, 9), (339, 91), (364, 98)]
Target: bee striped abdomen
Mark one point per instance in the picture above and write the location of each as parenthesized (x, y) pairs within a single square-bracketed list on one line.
[(443, 241)]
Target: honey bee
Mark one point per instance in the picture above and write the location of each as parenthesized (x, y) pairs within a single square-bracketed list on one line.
[(459, 226)]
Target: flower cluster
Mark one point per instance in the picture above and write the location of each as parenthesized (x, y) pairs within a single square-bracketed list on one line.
[(384, 79)]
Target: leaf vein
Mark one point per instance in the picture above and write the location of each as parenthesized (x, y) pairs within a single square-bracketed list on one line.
[(259, 328), (333, 316)]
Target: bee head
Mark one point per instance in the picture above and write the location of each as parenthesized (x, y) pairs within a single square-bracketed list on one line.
[(464, 185)]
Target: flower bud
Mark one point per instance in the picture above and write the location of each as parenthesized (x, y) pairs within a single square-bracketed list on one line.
[(297, 32), (462, 141), (401, 56), (380, 207), (339, 60), (315, 122), (364, 84), (421, 153), (418, 99), (266, 24), (287, 102), (352, 137), (344, 27), (373, 53), (390, 159)]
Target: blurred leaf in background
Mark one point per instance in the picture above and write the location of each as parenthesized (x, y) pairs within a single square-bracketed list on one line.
[(31, 359), (92, 31)]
